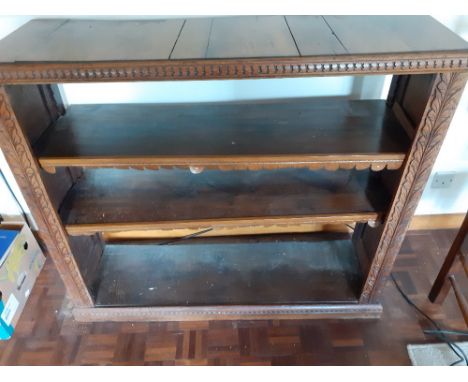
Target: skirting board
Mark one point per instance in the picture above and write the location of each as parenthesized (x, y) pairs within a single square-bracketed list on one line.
[(266, 312), (443, 221)]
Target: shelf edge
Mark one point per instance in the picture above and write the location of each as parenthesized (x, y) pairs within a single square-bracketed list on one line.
[(330, 162), (270, 67), (91, 229)]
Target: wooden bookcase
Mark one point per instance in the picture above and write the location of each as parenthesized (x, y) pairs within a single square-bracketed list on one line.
[(112, 187)]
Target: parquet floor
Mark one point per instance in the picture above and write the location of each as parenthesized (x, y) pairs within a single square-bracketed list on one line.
[(47, 335)]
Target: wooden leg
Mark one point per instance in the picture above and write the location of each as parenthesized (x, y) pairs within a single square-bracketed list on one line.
[(462, 303), (439, 288)]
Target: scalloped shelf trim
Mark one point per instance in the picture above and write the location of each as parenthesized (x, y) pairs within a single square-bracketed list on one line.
[(198, 164)]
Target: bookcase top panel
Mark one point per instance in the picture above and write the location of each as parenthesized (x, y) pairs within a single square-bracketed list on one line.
[(61, 50)]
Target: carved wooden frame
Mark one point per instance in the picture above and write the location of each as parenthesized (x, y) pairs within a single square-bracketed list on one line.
[(445, 95), (446, 91), (163, 70), (51, 233), (256, 312)]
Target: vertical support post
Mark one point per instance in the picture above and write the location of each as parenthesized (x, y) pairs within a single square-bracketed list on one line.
[(17, 149), (443, 97)]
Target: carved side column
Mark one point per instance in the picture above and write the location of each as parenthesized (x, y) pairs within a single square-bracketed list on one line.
[(25, 168), (444, 97)]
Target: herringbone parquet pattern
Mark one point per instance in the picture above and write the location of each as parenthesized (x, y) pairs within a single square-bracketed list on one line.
[(47, 335)]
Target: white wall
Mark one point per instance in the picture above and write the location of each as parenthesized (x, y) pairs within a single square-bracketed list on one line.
[(9, 208), (206, 91), (453, 157), (12, 203)]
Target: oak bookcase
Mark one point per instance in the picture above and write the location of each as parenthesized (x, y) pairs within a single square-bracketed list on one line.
[(119, 192)]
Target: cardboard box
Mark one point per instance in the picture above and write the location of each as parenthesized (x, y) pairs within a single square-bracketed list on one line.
[(21, 260)]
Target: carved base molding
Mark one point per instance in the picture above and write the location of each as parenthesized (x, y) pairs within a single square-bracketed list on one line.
[(266, 312)]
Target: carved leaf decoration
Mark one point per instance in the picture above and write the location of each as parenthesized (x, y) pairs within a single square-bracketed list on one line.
[(446, 92), (26, 170)]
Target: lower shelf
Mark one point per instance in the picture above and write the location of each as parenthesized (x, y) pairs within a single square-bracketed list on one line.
[(265, 270)]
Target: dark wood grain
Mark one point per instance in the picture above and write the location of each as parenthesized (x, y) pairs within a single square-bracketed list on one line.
[(417, 91), (105, 196), (87, 252), (250, 36), (58, 184), (228, 37), (385, 34), (62, 40), (174, 133), (231, 271), (37, 118), (193, 39), (57, 51), (91, 40), (313, 36), (330, 134)]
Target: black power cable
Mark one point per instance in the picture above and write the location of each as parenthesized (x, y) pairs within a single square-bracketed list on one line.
[(439, 332), (350, 227), (186, 237), (454, 332)]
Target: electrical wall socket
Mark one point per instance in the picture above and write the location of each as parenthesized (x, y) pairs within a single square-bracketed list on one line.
[(443, 180)]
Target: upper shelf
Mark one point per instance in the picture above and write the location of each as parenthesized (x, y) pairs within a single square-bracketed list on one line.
[(62, 50), (313, 133)]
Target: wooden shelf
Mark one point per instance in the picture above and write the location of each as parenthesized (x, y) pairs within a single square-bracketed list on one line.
[(295, 269), (99, 161), (313, 133), (109, 200)]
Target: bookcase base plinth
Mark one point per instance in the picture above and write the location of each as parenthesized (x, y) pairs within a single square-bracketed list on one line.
[(243, 312)]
